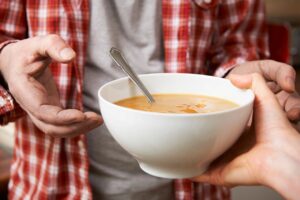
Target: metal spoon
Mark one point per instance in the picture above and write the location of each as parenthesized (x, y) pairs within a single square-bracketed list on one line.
[(121, 62)]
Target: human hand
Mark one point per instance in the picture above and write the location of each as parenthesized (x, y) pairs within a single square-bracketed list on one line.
[(24, 66), (281, 79), (267, 154)]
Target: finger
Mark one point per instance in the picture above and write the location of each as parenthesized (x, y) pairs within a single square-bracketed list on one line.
[(92, 121), (77, 128), (241, 81), (233, 174), (266, 105), (204, 178), (37, 68), (215, 176), (294, 114), (274, 87), (284, 75), (70, 130), (259, 86), (56, 115), (52, 46), (292, 106), (36, 102), (93, 116), (232, 167)]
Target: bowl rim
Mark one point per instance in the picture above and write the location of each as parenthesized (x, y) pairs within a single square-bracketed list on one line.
[(250, 102)]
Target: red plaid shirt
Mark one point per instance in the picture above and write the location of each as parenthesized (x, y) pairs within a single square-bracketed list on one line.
[(200, 36)]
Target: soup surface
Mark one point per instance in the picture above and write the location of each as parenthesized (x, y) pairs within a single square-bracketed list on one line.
[(178, 103)]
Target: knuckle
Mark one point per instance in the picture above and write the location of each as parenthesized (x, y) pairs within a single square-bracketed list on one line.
[(291, 70), (52, 39), (266, 62)]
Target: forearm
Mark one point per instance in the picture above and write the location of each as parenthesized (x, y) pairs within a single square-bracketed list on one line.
[(9, 109), (13, 26), (287, 182)]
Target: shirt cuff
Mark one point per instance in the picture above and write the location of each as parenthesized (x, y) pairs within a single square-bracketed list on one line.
[(4, 44), (226, 68), (9, 109)]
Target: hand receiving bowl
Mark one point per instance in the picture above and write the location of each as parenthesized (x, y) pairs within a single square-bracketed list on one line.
[(175, 145)]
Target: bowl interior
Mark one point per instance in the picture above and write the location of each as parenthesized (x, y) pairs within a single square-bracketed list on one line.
[(167, 83)]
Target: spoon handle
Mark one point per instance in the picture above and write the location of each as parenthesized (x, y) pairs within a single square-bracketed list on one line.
[(121, 62)]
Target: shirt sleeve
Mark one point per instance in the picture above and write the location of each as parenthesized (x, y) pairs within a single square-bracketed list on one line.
[(241, 35), (9, 109), (13, 20)]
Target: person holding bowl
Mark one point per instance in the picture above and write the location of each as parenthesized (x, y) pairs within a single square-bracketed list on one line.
[(47, 87), (267, 154)]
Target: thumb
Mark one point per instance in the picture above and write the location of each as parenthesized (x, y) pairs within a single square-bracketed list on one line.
[(267, 109), (54, 47)]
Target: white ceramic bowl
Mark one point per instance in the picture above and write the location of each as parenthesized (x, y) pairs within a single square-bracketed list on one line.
[(175, 145)]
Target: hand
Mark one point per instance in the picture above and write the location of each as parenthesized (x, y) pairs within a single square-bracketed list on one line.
[(267, 154), (24, 65), (281, 79)]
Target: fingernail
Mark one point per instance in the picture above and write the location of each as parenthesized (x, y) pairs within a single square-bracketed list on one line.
[(67, 53)]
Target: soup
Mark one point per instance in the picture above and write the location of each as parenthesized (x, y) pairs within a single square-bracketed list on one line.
[(178, 103)]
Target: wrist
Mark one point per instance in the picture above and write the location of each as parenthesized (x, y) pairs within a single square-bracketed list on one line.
[(4, 44), (3, 57), (283, 175), (2, 47)]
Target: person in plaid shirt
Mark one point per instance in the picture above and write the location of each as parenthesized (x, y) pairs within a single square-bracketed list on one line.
[(44, 87)]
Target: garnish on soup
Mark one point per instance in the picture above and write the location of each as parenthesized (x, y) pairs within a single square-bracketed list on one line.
[(178, 103)]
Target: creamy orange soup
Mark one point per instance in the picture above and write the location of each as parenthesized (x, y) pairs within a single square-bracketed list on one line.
[(178, 103)]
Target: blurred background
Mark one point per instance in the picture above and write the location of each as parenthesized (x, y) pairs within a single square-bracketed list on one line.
[(284, 30), (283, 17)]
